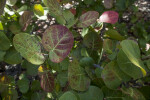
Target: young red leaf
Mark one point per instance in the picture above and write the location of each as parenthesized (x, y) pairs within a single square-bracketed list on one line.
[(58, 40), (109, 17), (88, 18)]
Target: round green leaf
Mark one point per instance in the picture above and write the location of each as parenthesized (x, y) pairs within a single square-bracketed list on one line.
[(23, 85), (58, 40), (29, 47), (93, 93), (69, 95)]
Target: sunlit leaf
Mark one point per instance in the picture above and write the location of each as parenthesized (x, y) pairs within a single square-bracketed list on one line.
[(132, 51), (38, 9), (58, 40), (29, 47)]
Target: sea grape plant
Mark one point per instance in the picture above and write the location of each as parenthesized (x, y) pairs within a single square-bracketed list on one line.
[(87, 54)]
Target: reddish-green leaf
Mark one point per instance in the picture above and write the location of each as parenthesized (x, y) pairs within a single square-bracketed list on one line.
[(58, 40), (29, 47), (47, 82), (77, 77), (88, 18), (109, 17)]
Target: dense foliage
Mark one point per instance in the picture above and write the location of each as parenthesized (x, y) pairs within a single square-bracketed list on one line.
[(88, 51)]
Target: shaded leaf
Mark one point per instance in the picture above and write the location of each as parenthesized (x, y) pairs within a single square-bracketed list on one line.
[(112, 94), (29, 47), (93, 93), (62, 78), (109, 17), (2, 54), (108, 4), (58, 40), (12, 57), (69, 95), (93, 41), (30, 68), (4, 41), (133, 93), (23, 85), (113, 34), (77, 77), (15, 28), (25, 19), (112, 75), (87, 19)]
